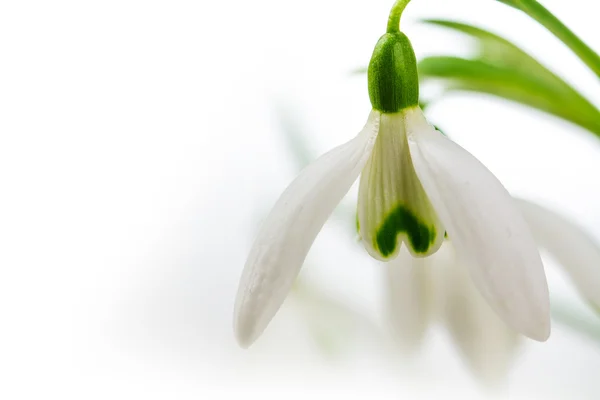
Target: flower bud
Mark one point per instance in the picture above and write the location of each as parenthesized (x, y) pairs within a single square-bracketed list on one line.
[(393, 78)]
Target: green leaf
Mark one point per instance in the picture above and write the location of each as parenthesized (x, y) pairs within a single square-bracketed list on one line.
[(576, 320), (502, 69), (511, 84), (539, 13), (499, 51), (294, 135)]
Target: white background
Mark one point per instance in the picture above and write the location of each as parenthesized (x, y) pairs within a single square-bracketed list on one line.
[(140, 146)]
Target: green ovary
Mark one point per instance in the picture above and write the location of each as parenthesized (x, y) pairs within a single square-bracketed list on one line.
[(399, 220)]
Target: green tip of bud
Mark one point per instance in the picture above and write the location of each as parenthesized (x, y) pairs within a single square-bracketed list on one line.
[(392, 74)]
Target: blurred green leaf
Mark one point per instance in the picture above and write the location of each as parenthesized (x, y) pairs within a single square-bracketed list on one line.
[(499, 51), (539, 13), (574, 319), (294, 134), (483, 77), (504, 70), (359, 71)]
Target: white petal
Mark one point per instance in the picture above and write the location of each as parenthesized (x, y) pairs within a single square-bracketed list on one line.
[(392, 205), (488, 232), (485, 342), (571, 245), (409, 298), (290, 229)]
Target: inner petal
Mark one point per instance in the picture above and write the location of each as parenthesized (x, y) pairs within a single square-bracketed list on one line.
[(392, 205)]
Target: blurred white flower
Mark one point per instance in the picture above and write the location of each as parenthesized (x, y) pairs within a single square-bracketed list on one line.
[(439, 289), (416, 184), (410, 295), (422, 291), (571, 246), (335, 326)]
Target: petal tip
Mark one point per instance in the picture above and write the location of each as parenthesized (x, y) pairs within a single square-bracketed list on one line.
[(243, 340), (248, 315), (539, 332), (542, 335), (244, 330)]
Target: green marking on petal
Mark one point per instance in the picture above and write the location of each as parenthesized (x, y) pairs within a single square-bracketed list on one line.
[(402, 220)]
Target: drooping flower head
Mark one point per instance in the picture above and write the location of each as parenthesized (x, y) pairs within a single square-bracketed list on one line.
[(416, 186)]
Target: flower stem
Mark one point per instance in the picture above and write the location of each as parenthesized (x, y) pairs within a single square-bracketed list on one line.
[(395, 14), (538, 12)]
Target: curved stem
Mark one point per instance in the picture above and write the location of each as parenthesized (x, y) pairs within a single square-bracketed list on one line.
[(395, 14), (538, 12)]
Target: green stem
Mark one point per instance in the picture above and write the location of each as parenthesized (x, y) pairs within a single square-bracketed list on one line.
[(538, 12), (395, 14)]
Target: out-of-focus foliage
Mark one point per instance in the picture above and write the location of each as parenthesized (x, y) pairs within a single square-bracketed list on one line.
[(502, 69), (539, 13), (575, 319)]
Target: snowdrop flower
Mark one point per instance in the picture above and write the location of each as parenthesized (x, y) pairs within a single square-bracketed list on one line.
[(415, 185)]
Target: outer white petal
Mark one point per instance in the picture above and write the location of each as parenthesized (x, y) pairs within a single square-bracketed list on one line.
[(290, 229), (486, 343), (409, 297), (571, 245), (488, 232)]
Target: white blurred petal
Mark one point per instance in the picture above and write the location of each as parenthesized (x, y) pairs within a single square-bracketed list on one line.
[(486, 343), (290, 229), (574, 249), (487, 230), (393, 208), (409, 298)]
